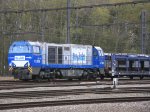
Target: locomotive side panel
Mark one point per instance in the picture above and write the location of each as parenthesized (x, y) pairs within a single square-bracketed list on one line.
[(66, 54), (81, 55), (53, 53), (44, 55)]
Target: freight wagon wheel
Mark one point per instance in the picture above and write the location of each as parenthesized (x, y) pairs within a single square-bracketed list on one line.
[(80, 78), (102, 77), (131, 77), (69, 79), (25, 80), (141, 77), (111, 77)]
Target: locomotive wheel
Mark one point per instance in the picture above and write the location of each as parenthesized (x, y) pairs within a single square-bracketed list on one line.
[(37, 78), (58, 75), (111, 78), (131, 77), (69, 79), (33, 77), (141, 77), (80, 78), (102, 77), (25, 80)]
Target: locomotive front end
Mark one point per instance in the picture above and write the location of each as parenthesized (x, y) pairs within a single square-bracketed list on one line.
[(23, 59)]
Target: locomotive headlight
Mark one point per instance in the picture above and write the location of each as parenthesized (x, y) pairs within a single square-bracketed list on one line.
[(10, 64), (10, 67), (13, 65)]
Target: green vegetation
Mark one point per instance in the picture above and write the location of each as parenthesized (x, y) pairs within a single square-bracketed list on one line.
[(115, 29)]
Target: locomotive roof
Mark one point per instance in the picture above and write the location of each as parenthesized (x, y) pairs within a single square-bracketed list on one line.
[(127, 55), (26, 42)]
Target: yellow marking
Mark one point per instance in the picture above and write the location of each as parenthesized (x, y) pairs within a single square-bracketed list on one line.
[(10, 69), (30, 69)]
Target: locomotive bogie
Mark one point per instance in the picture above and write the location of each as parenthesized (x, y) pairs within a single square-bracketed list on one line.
[(21, 73)]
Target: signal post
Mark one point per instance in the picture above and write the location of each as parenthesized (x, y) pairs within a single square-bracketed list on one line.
[(115, 78)]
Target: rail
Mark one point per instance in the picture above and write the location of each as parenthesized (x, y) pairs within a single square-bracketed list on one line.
[(71, 102)]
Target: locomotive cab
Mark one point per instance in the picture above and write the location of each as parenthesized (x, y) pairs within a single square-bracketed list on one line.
[(98, 57), (98, 60), (24, 59)]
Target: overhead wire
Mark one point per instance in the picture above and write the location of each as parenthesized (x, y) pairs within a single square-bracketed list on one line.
[(76, 7)]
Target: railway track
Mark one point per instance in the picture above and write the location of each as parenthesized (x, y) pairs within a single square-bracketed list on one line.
[(71, 102), (63, 83), (65, 80), (53, 93), (40, 94)]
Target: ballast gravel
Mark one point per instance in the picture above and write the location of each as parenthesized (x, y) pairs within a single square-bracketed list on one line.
[(104, 107), (101, 107), (71, 97), (72, 87)]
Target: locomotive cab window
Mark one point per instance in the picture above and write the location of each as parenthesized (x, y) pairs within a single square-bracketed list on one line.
[(100, 53), (36, 49), (20, 49), (95, 53)]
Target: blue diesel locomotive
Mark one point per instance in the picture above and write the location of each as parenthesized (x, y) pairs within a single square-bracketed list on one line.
[(41, 60)]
